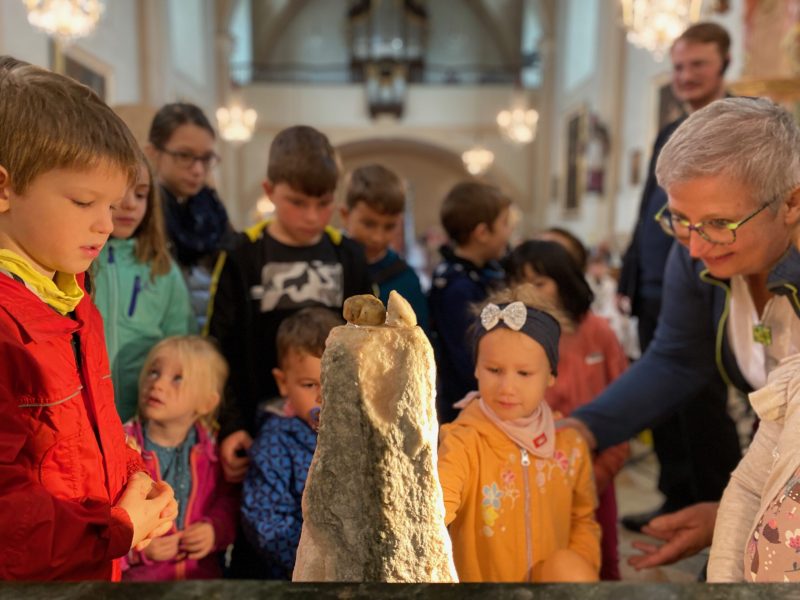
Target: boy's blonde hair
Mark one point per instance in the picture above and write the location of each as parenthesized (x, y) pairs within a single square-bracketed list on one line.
[(377, 187), (306, 331), (48, 121), (204, 369), (151, 239), (468, 205)]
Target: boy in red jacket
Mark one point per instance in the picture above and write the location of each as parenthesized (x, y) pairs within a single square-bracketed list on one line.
[(73, 498)]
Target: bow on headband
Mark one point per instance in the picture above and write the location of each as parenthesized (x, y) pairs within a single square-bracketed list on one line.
[(513, 316), (536, 324)]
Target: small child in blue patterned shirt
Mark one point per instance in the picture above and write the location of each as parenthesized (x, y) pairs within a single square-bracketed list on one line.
[(281, 453)]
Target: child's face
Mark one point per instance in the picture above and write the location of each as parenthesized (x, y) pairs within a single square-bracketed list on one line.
[(512, 372), (371, 228), (298, 381), (299, 219), (494, 242), (131, 211), (183, 163), (166, 398), (61, 222), (547, 286)]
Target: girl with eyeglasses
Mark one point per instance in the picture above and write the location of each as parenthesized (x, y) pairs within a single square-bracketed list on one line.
[(181, 150)]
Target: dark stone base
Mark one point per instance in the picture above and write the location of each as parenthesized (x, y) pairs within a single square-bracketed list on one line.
[(250, 590)]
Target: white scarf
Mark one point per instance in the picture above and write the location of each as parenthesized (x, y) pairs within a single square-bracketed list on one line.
[(536, 433)]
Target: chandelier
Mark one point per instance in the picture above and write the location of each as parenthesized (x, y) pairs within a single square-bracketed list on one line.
[(477, 160), (65, 20), (236, 124), (518, 124), (654, 24)]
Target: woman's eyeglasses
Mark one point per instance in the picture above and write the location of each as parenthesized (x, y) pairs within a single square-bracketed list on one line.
[(715, 231)]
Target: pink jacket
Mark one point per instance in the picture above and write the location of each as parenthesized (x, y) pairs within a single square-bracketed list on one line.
[(211, 499), (589, 359)]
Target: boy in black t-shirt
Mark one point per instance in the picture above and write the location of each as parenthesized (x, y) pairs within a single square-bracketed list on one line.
[(287, 263)]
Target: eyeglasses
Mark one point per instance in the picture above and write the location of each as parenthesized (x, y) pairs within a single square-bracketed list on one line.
[(187, 159), (715, 231)]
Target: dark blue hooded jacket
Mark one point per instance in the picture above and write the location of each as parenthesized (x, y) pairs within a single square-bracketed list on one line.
[(691, 349)]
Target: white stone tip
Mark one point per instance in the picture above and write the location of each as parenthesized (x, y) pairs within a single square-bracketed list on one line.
[(399, 312)]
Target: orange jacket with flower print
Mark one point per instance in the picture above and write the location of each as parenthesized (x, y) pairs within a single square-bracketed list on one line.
[(507, 510)]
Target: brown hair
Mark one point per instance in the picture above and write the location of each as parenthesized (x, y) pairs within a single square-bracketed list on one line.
[(48, 121), (204, 368), (552, 259), (151, 240), (570, 242), (171, 116), (468, 205), (304, 159), (377, 187), (708, 33), (306, 331)]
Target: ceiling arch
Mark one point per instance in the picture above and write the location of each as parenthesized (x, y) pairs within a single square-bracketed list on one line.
[(424, 150)]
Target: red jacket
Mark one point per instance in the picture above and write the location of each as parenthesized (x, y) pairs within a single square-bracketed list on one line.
[(211, 499), (63, 458)]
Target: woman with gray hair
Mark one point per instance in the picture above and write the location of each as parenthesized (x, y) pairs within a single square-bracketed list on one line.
[(737, 156), (730, 306)]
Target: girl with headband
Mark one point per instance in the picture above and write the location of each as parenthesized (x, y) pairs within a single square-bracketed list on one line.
[(590, 358), (519, 495)]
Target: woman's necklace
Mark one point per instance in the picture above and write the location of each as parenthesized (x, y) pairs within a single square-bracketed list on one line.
[(762, 334)]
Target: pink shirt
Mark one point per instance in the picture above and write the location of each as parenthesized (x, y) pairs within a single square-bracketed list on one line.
[(589, 359)]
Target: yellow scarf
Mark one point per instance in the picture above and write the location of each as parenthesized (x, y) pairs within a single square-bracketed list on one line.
[(62, 292)]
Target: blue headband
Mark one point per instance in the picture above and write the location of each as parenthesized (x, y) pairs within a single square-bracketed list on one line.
[(536, 324)]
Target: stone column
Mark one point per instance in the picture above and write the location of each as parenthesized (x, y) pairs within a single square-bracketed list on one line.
[(372, 507)]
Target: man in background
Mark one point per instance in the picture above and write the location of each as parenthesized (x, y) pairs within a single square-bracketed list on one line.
[(689, 473)]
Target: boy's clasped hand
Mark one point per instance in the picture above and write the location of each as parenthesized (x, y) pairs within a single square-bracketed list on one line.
[(151, 506)]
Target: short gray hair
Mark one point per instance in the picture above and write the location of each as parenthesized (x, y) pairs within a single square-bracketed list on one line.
[(751, 140)]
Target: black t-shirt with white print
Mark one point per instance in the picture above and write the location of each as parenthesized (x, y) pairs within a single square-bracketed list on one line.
[(262, 282), (296, 277)]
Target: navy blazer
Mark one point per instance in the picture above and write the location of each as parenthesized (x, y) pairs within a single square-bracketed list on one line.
[(690, 350)]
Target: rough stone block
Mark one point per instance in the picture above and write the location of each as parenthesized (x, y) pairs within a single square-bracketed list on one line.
[(372, 506)]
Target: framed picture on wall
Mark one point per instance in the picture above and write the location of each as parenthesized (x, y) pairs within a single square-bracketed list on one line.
[(575, 171), (668, 107), (635, 169), (83, 67)]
